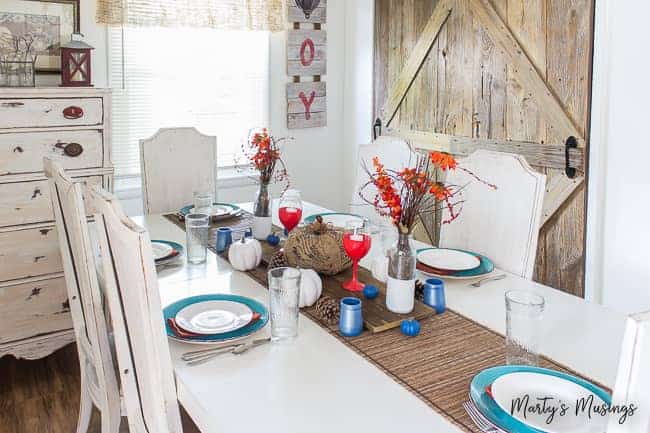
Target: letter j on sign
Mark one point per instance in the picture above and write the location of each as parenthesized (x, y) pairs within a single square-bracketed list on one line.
[(306, 105)]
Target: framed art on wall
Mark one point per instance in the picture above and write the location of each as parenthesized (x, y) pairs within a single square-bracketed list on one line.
[(49, 23)]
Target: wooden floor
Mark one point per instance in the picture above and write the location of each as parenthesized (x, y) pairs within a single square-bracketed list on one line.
[(43, 396)]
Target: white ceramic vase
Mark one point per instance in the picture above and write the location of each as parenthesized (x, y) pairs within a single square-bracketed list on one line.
[(400, 285), (262, 227), (400, 295)]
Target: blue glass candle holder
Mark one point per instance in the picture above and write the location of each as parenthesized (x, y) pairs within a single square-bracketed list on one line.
[(224, 239), (351, 320), (434, 294)]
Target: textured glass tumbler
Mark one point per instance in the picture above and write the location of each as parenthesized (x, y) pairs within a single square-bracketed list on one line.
[(524, 311), (202, 202), (284, 293), (196, 229)]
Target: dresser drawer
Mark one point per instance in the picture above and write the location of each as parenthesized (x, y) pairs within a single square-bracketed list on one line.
[(30, 202), (41, 112), (23, 153), (29, 253), (34, 308)]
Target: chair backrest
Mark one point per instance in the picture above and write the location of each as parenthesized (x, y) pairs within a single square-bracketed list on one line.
[(131, 288), (633, 378), (502, 224), (175, 163), (84, 296), (394, 153)]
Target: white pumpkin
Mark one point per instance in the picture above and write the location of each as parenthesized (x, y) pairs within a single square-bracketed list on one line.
[(379, 268), (245, 255), (311, 287)]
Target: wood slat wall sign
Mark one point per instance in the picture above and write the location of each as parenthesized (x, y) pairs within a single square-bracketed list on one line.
[(306, 105), (311, 49), (317, 16), (507, 75), (307, 56)]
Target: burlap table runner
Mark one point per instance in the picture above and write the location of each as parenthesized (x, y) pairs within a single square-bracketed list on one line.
[(437, 365)]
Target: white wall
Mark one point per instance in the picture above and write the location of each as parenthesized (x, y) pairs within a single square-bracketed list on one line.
[(618, 229), (314, 158), (358, 88)]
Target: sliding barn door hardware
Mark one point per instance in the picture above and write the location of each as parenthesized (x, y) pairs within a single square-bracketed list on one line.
[(571, 143), (376, 129)]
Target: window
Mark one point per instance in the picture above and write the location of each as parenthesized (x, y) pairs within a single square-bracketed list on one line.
[(214, 80)]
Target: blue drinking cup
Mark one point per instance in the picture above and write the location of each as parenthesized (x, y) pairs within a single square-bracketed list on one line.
[(351, 320), (434, 294), (224, 239)]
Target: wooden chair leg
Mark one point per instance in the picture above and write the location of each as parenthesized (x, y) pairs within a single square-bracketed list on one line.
[(85, 406), (111, 422)]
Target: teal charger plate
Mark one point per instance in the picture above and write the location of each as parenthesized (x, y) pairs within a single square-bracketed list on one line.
[(484, 268), (171, 310), (488, 407)]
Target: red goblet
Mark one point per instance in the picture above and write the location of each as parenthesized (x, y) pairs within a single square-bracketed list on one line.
[(290, 212), (356, 243)]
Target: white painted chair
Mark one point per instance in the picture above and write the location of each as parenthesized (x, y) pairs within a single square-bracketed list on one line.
[(131, 288), (502, 224), (99, 385), (175, 163), (633, 378), (394, 153)]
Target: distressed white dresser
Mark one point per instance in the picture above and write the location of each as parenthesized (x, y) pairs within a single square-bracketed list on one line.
[(73, 125)]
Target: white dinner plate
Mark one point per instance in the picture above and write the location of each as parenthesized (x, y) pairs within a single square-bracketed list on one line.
[(449, 260), (507, 388), (220, 211), (160, 250), (214, 317), (338, 220)]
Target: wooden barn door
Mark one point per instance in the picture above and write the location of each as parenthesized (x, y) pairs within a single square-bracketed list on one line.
[(510, 75)]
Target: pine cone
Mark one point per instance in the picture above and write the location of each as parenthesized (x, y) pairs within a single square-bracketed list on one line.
[(419, 290), (328, 309), (278, 260)]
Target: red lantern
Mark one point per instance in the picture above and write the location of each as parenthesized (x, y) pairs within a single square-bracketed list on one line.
[(75, 63)]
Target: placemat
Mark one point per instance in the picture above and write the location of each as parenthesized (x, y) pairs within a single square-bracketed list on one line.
[(437, 365)]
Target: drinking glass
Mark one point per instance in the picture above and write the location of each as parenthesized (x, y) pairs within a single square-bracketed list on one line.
[(196, 229), (203, 202), (524, 311), (290, 212), (356, 243), (284, 293)]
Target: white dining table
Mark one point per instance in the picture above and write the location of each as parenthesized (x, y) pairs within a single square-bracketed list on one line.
[(316, 384)]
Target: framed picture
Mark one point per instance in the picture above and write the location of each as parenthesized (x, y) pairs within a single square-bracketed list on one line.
[(49, 23)]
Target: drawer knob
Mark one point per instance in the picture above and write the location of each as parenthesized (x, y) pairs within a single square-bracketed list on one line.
[(73, 112), (71, 149)]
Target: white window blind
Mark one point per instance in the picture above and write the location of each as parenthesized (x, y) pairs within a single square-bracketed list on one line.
[(214, 80)]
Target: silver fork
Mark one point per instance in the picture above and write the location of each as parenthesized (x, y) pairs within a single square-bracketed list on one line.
[(200, 358), (482, 281), (484, 424)]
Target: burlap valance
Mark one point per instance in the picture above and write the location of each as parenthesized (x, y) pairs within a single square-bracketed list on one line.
[(218, 14)]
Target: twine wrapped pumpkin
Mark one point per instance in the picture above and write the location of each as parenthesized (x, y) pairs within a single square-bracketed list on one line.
[(317, 246)]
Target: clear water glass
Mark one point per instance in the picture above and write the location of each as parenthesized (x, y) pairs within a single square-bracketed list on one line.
[(202, 202), (524, 312), (196, 229), (284, 293)]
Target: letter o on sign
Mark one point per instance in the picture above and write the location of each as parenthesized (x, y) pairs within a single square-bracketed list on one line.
[(307, 59)]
